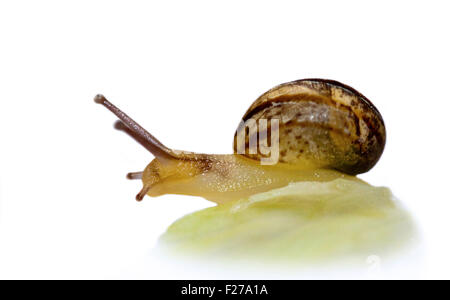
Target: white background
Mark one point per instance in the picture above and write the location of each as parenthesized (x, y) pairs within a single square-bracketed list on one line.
[(187, 71)]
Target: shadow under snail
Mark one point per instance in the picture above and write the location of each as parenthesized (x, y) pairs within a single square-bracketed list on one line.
[(325, 130)]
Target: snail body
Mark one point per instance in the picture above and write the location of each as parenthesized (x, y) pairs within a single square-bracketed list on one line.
[(324, 130), (222, 178)]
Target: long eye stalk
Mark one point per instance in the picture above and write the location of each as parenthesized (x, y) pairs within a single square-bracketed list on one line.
[(137, 131)]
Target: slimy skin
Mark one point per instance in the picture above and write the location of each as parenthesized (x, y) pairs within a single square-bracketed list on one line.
[(222, 178)]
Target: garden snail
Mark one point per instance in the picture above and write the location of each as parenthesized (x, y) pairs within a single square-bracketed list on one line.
[(324, 130)]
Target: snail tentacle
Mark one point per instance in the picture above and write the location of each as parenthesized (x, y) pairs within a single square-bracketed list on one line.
[(136, 131)]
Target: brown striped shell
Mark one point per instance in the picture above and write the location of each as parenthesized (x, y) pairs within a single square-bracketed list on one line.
[(324, 122)]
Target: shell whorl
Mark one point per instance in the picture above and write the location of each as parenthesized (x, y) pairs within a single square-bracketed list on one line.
[(322, 122)]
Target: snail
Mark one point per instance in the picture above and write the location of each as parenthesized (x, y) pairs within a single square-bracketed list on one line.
[(324, 130)]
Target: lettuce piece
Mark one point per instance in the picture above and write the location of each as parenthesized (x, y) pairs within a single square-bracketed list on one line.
[(305, 221)]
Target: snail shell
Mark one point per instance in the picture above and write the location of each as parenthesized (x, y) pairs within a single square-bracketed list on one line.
[(321, 121)]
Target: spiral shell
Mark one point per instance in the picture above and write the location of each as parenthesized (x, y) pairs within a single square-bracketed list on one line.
[(323, 122)]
